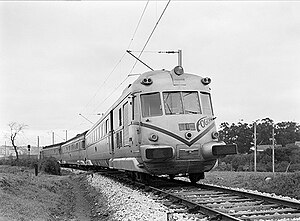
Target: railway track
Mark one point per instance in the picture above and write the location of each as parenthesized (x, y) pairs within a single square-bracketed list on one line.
[(218, 203)]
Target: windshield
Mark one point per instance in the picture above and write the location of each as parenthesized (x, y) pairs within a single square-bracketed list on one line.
[(206, 103), (151, 105), (181, 103)]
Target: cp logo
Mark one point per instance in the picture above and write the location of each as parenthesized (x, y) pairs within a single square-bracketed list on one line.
[(202, 123)]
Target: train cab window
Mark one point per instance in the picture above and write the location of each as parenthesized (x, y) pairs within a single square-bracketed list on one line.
[(151, 105), (173, 103), (206, 103), (181, 103), (191, 103)]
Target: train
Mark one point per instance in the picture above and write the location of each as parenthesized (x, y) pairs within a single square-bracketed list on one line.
[(162, 124)]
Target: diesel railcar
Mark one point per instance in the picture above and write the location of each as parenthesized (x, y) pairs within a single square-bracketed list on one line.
[(163, 124)]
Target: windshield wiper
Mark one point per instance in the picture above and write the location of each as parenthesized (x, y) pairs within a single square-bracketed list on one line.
[(190, 111)]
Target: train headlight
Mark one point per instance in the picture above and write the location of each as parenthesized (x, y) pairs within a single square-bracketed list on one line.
[(153, 137), (188, 135), (178, 70), (215, 135)]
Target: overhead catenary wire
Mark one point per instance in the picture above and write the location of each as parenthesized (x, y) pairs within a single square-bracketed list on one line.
[(121, 59), (112, 92), (140, 52), (151, 34)]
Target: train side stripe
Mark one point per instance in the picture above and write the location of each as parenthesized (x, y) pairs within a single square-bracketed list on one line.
[(175, 136)]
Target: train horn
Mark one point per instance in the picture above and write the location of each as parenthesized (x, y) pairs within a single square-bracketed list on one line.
[(206, 81)]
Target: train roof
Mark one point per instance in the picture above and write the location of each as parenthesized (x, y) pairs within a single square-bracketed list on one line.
[(77, 136), (62, 143), (53, 145)]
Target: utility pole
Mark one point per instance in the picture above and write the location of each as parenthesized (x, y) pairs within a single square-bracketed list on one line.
[(52, 137), (5, 150), (66, 135), (255, 148), (273, 150), (38, 146)]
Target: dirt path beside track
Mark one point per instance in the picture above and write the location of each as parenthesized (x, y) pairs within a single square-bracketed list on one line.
[(69, 197)]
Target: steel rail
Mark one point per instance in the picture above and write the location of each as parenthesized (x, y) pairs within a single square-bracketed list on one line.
[(256, 196), (194, 207)]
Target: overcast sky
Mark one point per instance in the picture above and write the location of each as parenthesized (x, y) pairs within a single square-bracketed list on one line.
[(59, 59)]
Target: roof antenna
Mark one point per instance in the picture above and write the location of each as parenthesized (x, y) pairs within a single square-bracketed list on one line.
[(129, 52), (179, 52)]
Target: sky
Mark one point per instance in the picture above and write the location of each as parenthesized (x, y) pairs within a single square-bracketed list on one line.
[(60, 59)]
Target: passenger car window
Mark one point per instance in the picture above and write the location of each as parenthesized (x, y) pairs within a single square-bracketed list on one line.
[(151, 105)]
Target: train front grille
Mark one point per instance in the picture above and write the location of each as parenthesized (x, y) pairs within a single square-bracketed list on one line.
[(184, 152)]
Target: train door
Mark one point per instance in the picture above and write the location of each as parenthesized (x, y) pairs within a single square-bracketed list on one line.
[(111, 133), (125, 124)]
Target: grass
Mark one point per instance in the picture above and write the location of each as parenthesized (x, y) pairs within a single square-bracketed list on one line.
[(286, 184)]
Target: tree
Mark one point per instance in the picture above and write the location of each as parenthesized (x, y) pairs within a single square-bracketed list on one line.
[(240, 134), (287, 132), (264, 131), (15, 130)]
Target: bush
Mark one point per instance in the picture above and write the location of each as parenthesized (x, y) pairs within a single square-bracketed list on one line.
[(50, 165), (294, 167)]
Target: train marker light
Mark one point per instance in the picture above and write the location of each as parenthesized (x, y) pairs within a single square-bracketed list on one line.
[(147, 81), (178, 70), (206, 81), (215, 135)]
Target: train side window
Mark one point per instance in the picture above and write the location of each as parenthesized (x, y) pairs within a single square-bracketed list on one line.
[(120, 117), (151, 105), (206, 103), (102, 131), (106, 127), (133, 107)]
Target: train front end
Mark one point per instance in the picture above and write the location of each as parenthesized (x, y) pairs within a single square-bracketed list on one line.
[(176, 130)]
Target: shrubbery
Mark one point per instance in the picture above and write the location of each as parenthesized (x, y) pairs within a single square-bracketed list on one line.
[(287, 159), (47, 165), (20, 162), (50, 165)]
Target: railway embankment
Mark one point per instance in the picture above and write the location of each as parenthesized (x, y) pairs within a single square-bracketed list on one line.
[(24, 196), (86, 196)]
